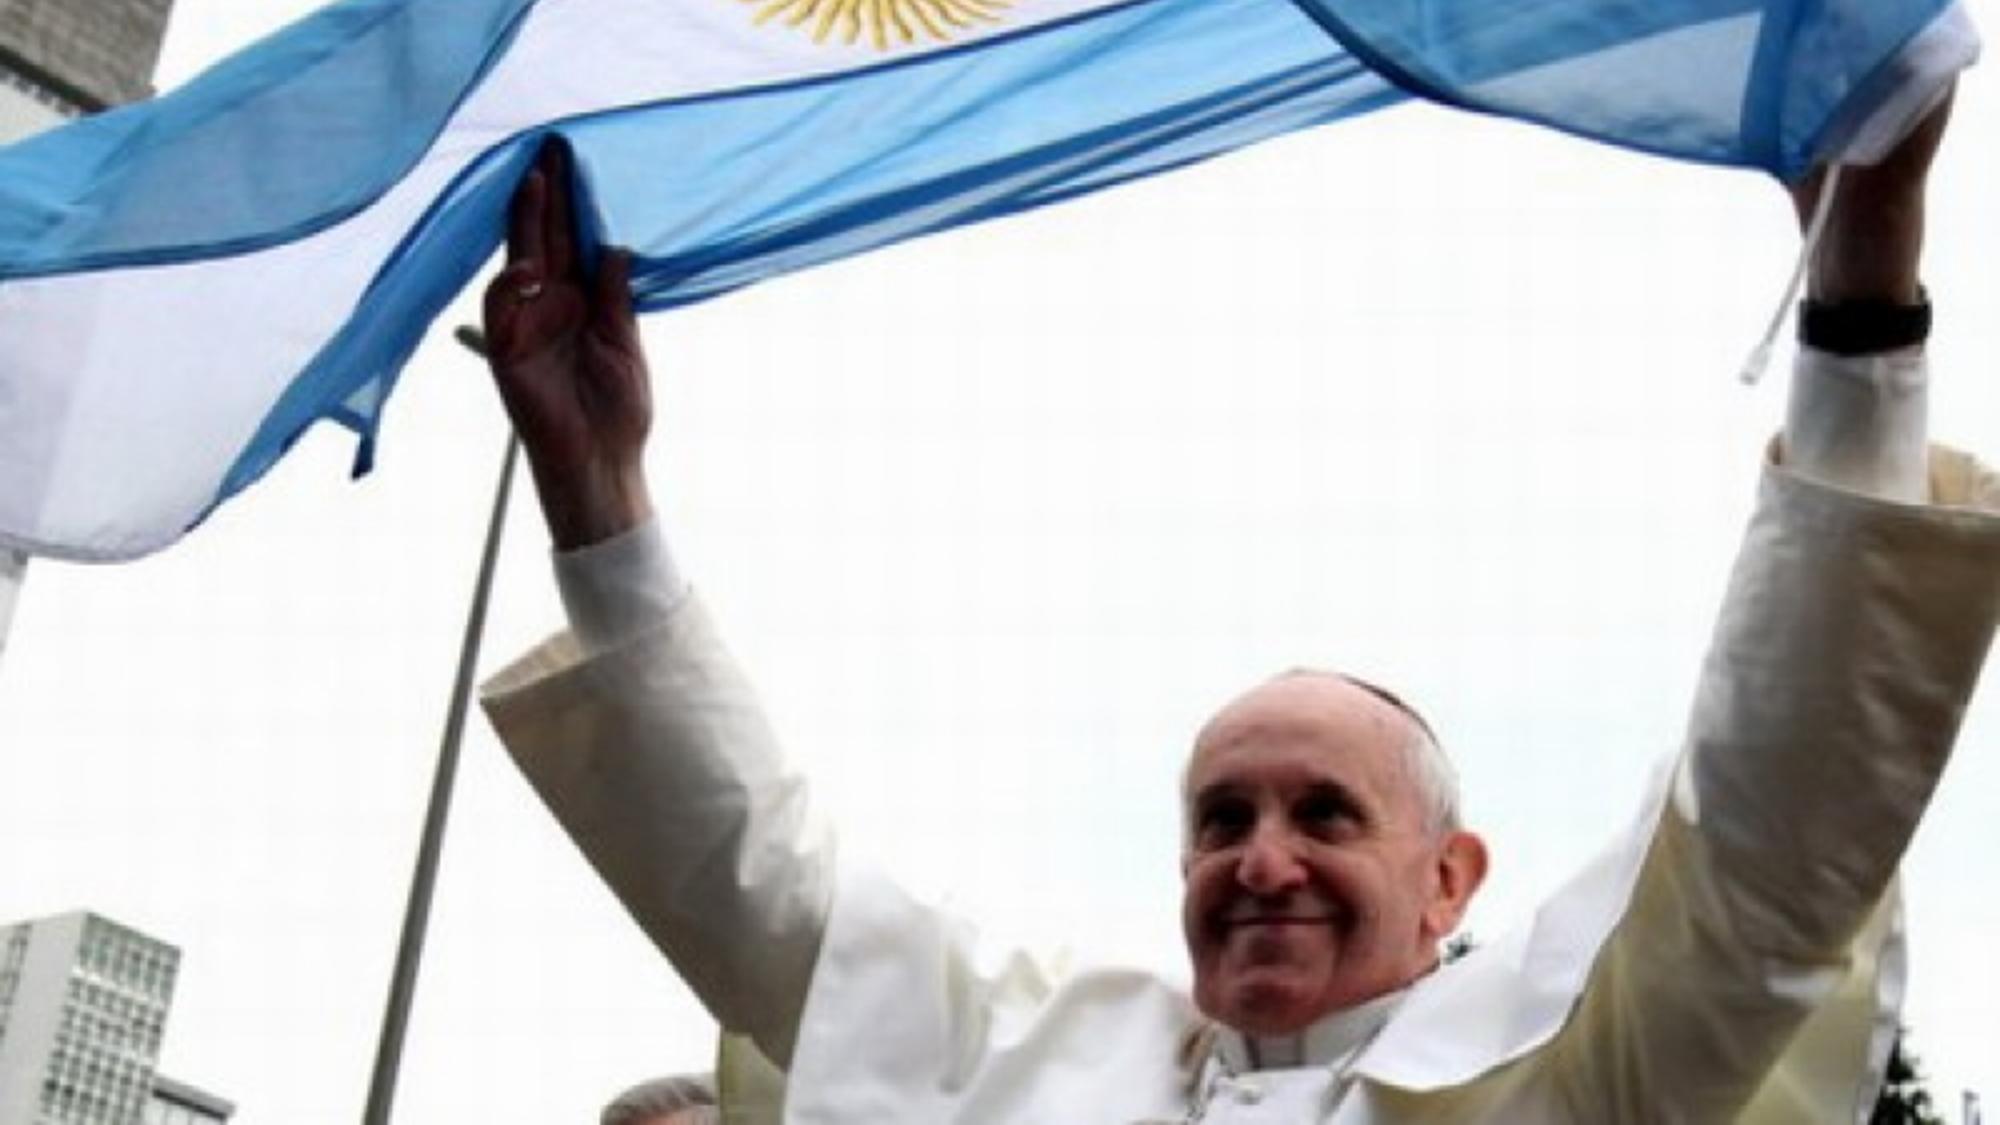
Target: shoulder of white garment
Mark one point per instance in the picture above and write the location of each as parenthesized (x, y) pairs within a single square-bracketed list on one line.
[(620, 587)]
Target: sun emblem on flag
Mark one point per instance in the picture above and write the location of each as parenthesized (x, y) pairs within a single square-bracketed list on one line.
[(887, 23)]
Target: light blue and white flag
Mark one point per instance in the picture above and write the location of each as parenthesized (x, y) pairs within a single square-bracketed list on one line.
[(188, 285)]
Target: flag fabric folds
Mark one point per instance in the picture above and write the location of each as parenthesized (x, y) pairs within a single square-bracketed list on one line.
[(1774, 84), (186, 286)]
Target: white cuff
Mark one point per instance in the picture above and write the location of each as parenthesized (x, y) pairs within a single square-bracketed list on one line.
[(621, 587), (1860, 422)]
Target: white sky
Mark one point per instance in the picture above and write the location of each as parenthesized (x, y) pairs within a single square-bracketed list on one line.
[(994, 519)]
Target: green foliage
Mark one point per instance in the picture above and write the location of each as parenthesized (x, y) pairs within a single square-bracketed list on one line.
[(1456, 946), (1903, 1100)]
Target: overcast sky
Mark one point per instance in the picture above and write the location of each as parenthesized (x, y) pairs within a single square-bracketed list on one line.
[(995, 519)]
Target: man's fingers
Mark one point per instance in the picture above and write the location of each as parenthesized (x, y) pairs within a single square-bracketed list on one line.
[(524, 218), (505, 306), (612, 300), (558, 215)]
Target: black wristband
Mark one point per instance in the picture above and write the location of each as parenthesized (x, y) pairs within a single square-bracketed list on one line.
[(1864, 327)]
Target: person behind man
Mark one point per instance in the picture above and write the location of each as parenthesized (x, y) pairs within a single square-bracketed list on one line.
[(1727, 959), (677, 1099)]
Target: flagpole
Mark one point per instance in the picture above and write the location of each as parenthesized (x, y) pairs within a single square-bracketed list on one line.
[(416, 915)]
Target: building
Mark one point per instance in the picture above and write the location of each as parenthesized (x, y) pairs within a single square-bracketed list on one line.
[(61, 59), (83, 1007), (83, 1000), (65, 58), (13, 568), (177, 1103)]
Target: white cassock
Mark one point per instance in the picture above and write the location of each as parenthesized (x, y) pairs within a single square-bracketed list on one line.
[(1735, 955)]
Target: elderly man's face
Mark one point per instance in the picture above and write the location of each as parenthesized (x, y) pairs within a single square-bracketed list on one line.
[(1313, 881)]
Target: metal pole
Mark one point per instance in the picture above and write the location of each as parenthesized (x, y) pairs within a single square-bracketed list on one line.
[(416, 915)]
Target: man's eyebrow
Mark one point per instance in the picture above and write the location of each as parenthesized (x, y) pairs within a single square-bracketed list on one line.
[(1214, 791), (1346, 794)]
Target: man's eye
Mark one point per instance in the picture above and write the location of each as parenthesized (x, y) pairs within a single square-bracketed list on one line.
[(1322, 807), (1224, 820)]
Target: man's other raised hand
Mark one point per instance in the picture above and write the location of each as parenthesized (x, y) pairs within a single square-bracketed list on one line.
[(564, 348)]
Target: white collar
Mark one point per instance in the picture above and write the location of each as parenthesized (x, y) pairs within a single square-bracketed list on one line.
[(1332, 1041)]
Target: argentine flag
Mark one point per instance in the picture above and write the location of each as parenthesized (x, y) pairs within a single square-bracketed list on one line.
[(188, 285)]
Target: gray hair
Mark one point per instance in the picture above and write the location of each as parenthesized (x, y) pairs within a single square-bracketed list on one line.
[(1424, 760), (661, 1096)]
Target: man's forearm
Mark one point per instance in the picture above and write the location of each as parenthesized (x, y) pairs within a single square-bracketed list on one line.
[(1857, 414)]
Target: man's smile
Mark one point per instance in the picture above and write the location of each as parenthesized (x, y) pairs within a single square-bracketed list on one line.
[(1247, 913)]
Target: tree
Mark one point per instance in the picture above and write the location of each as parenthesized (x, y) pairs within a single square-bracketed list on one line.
[(1456, 946), (1903, 1100)]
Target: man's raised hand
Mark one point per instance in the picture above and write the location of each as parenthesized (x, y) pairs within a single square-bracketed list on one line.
[(565, 352)]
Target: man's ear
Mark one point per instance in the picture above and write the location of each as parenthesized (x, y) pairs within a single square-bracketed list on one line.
[(1461, 868)]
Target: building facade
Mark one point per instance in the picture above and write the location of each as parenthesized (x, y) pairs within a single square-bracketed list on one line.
[(65, 58), (13, 568), (26, 107), (177, 1103), (83, 1008), (61, 59)]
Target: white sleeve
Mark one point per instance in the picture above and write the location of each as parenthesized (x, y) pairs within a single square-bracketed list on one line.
[(617, 589), (1857, 621), (1859, 422), (653, 754)]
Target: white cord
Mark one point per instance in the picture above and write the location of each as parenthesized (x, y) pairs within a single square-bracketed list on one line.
[(1760, 356)]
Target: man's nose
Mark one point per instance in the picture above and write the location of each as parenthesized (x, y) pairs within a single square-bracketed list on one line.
[(1270, 863)]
